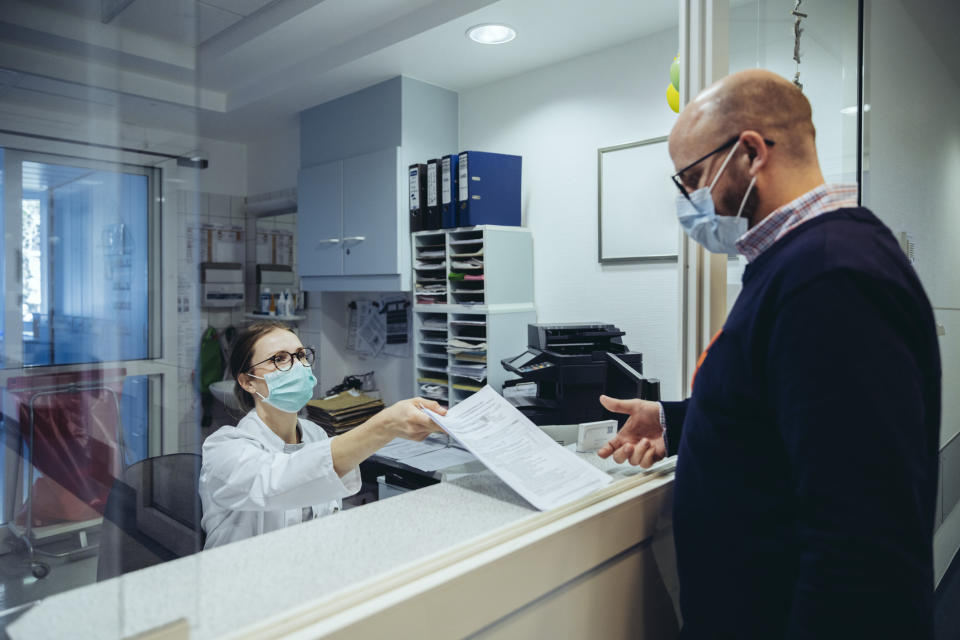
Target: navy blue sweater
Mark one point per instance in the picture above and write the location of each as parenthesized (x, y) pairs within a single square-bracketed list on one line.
[(807, 468)]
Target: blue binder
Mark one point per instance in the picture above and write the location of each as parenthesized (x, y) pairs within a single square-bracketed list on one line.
[(448, 191), (488, 189)]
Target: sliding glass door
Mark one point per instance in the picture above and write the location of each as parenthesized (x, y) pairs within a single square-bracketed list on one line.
[(81, 333)]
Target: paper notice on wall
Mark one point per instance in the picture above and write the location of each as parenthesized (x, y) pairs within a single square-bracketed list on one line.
[(226, 243), (522, 455), (366, 328)]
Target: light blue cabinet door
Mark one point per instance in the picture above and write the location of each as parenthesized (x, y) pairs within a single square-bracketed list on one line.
[(370, 213), (319, 221)]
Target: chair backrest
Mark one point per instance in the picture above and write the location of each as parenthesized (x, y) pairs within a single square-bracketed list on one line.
[(152, 515)]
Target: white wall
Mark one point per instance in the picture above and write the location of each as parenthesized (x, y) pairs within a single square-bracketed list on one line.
[(556, 118), (273, 159), (326, 329)]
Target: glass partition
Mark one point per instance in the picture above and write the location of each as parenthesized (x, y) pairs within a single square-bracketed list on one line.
[(763, 36), (132, 134)]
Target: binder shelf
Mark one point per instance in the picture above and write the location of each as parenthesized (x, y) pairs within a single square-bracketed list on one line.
[(473, 302)]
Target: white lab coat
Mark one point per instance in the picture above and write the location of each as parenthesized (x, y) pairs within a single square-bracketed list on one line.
[(250, 485)]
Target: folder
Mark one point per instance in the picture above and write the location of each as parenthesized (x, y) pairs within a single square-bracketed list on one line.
[(448, 191), (488, 189), (433, 195), (418, 201)]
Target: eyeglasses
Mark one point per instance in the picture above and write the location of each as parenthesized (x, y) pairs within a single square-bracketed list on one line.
[(677, 177), (283, 360)]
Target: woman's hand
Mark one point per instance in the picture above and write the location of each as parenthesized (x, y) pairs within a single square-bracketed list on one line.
[(401, 420), (404, 419)]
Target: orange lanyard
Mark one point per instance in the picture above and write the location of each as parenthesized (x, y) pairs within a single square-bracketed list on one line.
[(703, 356)]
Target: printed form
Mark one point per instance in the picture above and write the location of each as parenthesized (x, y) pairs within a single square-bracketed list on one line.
[(523, 456)]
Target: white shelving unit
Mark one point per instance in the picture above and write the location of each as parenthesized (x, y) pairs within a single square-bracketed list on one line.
[(485, 315)]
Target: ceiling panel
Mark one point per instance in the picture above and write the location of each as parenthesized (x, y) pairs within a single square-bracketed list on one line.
[(89, 9), (213, 21), (241, 7)]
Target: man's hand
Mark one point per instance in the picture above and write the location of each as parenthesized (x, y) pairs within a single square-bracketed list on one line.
[(641, 439)]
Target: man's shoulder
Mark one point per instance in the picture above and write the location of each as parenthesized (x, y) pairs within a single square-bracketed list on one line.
[(851, 242)]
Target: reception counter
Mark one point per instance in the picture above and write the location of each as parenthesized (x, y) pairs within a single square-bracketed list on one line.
[(466, 557)]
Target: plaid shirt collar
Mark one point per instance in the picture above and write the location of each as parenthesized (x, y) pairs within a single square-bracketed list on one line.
[(823, 199)]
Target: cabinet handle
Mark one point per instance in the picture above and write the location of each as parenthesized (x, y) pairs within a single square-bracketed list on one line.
[(328, 241), (354, 239)]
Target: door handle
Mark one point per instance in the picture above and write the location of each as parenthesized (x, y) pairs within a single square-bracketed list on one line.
[(328, 241), (354, 240)]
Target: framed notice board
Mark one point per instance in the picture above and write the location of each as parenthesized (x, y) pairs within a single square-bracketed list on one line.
[(636, 203)]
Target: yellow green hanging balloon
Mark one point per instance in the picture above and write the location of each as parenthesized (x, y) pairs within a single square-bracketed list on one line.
[(673, 89), (673, 98)]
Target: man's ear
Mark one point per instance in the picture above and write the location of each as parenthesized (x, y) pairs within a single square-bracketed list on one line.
[(756, 149)]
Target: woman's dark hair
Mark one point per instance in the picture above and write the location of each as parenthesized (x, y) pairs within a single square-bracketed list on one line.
[(241, 355)]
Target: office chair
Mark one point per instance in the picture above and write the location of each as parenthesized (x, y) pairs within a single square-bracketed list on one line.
[(152, 515)]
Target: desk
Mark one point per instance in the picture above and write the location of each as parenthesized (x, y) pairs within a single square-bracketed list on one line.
[(393, 566)]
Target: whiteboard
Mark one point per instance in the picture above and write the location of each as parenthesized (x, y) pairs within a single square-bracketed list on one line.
[(636, 203)]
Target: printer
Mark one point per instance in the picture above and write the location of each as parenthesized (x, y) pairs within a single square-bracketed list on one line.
[(572, 365)]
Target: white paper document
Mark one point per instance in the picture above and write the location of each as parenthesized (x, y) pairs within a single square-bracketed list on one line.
[(523, 456)]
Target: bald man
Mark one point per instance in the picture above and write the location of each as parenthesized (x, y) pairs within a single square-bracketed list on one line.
[(807, 453)]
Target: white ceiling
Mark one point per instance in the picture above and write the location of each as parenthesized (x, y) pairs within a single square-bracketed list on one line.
[(229, 68)]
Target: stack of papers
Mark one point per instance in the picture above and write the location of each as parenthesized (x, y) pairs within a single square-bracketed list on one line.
[(422, 264), (435, 453), (342, 412), (471, 264), (431, 289), (433, 391), (476, 372), (468, 254), (467, 345)]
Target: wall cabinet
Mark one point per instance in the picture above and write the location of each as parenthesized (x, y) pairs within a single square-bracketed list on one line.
[(351, 225), (352, 212)]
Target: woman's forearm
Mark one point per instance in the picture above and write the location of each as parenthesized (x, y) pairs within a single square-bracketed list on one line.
[(350, 449)]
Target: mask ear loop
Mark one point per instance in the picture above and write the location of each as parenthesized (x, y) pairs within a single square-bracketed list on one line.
[(262, 397), (744, 201), (723, 166)]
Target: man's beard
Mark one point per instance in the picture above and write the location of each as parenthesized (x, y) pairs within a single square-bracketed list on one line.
[(731, 199)]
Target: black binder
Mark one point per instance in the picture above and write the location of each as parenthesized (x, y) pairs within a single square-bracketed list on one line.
[(434, 211), (418, 200)]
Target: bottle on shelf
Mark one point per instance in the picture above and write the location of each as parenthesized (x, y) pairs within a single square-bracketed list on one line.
[(265, 301)]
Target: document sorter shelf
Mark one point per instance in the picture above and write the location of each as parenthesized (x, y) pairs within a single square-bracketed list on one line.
[(463, 328)]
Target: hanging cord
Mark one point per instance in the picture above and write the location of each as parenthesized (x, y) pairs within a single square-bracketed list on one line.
[(797, 31)]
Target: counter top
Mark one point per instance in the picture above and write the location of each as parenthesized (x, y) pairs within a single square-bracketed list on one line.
[(222, 589)]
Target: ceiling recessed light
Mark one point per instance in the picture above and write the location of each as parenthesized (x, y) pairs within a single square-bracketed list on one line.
[(491, 33)]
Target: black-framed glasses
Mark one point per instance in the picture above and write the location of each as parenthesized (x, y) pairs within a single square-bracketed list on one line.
[(677, 177), (283, 360)]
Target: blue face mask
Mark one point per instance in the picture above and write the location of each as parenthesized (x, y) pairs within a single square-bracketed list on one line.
[(288, 390), (718, 234)]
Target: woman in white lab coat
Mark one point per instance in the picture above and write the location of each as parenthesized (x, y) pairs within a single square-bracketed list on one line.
[(275, 469)]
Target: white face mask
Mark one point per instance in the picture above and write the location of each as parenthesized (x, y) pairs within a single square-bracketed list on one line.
[(699, 219)]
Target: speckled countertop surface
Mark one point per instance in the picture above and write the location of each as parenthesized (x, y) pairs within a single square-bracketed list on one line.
[(228, 587)]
